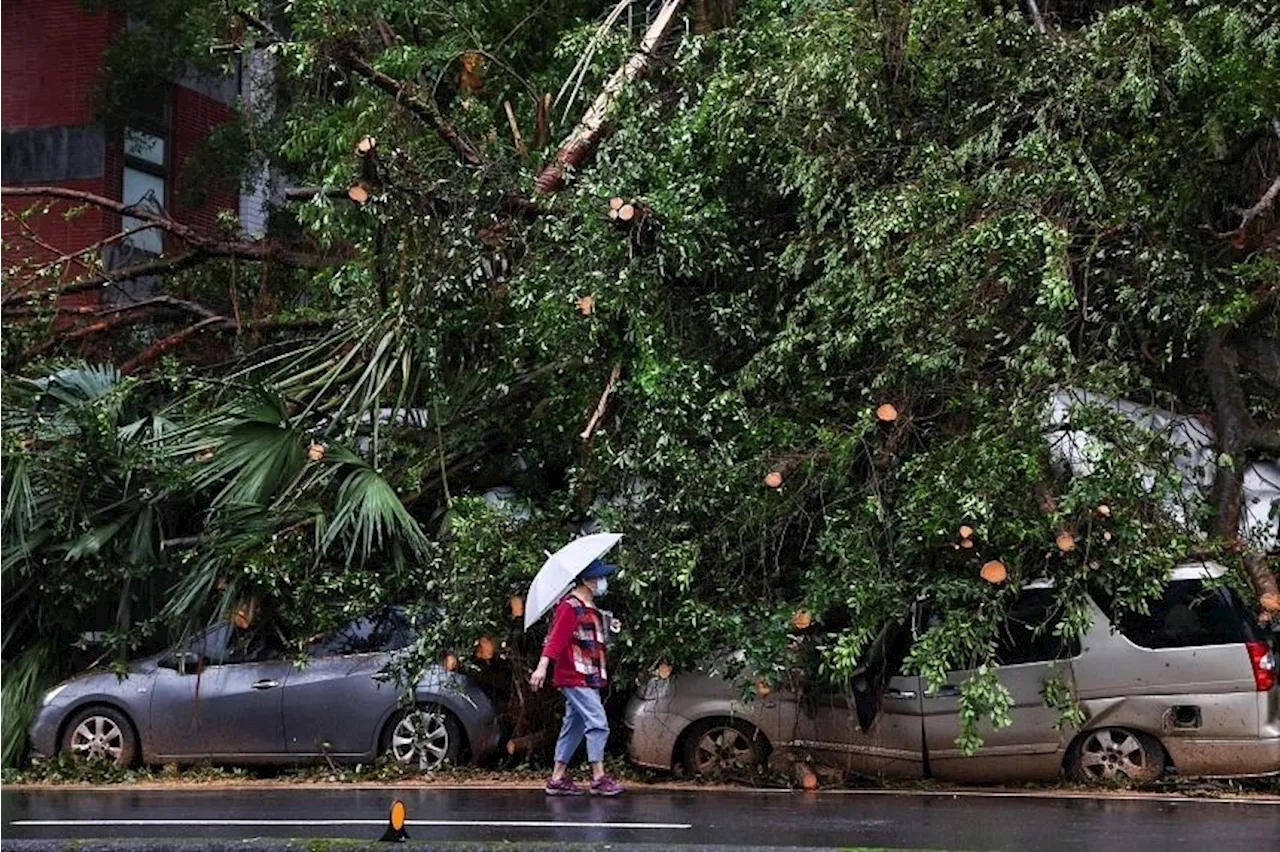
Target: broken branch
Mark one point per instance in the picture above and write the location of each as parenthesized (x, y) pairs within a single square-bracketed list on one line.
[(587, 133), (516, 138), (604, 401)]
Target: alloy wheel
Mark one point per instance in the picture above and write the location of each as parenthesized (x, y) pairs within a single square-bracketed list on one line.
[(1112, 754), (724, 749), (98, 738), (421, 737)]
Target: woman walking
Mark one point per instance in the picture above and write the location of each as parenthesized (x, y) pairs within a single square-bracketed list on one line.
[(576, 646)]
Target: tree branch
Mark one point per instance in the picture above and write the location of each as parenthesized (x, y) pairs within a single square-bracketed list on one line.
[(213, 246), (306, 193), (586, 134), (155, 350), (424, 108), (604, 401), (1264, 203)]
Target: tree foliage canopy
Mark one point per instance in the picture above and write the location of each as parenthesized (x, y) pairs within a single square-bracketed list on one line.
[(925, 203)]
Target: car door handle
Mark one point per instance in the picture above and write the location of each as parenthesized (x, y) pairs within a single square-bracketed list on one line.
[(901, 694), (266, 684), (947, 690)]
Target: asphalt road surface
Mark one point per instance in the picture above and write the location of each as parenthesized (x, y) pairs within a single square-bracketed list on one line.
[(664, 818)]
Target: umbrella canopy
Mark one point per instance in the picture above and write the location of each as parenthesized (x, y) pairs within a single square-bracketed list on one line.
[(557, 574)]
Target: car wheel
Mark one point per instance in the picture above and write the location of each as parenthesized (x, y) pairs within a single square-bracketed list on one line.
[(1116, 754), (101, 733), (724, 747), (427, 736)]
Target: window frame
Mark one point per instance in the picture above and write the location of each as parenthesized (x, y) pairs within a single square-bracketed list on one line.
[(157, 126)]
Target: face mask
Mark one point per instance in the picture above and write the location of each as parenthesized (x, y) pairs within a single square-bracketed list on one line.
[(602, 586)]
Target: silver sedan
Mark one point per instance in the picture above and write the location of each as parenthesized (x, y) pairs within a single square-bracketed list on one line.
[(228, 698)]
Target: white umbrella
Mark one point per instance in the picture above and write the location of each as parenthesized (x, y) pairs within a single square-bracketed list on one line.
[(557, 574)]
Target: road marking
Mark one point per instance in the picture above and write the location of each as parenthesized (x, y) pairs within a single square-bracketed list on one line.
[(294, 823), (1057, 795)]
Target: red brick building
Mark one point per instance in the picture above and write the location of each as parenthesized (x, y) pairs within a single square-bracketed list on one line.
[(50, 61)]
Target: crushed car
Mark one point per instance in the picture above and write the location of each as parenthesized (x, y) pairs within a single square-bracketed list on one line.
[(1189, 689)]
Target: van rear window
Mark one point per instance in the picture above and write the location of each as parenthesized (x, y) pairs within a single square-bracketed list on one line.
[(1187, 615)]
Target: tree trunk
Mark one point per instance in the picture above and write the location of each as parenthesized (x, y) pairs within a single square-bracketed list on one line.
[(711, 15), (1232, 428)]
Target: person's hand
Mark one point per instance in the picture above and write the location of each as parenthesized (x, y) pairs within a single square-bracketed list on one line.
[(539, 677)]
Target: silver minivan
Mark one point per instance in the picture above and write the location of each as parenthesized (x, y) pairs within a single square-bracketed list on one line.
[(1188, 689)]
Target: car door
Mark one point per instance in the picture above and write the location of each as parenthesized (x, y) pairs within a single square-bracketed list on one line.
[(336, 703), (1031, 747), (873, 728), (229, 708)]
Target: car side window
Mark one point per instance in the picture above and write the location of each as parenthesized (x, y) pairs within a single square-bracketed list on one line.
[(254, 645), (211, 644), (1189, 614), (1027, 635), (386, 630)]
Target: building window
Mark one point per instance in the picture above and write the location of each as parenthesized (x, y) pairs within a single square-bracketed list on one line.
[(146, 161)]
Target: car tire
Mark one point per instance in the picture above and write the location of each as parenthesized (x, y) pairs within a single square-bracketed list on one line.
[(428, 736), (101, 733), (1115, 755), (724, 747)]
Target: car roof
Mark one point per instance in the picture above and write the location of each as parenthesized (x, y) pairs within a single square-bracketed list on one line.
[(1206, 570), (1198, 571)]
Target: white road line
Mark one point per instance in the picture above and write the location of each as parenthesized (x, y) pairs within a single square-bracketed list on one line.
[(1051, 795), (293, 823)]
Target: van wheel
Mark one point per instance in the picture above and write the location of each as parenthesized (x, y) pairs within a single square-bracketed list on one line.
[(724, 747), (1115, 754)]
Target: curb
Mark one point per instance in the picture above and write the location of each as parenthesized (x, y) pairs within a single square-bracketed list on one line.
[(1078, 795)]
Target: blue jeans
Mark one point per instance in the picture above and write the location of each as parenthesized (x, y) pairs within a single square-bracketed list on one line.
[(583, 716)]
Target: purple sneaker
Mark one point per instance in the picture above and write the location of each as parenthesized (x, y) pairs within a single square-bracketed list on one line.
[(562, 787), (605, 786)]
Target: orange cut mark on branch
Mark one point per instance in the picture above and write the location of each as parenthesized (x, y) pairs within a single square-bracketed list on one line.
[(994, 572), (886, 413), (1066, 542), (358, 193)]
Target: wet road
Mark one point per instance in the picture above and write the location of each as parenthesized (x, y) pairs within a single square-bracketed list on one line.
[(662, 817)]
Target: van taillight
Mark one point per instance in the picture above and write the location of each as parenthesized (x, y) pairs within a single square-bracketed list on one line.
[(1264, 665)]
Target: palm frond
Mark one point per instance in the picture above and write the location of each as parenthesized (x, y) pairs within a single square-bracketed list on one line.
[(92, 542), (370, 517), (256, 452), (78, 385), (25, 678)]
